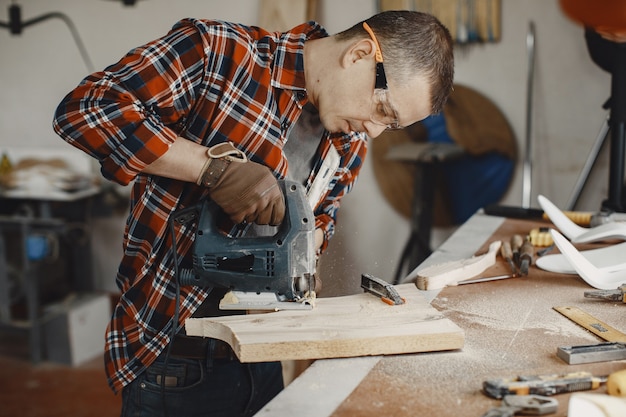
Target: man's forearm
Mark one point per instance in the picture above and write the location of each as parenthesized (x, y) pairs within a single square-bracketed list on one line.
[(183, 161)]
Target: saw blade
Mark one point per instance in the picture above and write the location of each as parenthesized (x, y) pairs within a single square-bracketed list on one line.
[(241, 300)]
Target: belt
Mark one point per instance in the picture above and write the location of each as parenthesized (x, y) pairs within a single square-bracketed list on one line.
[(201, 348)]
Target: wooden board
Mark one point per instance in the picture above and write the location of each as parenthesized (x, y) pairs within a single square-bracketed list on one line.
[(339, 327)]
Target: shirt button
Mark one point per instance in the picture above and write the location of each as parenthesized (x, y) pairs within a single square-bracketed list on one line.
[(300, 95), (284, 124)]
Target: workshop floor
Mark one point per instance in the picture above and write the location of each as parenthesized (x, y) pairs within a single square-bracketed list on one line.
[(50, 389)]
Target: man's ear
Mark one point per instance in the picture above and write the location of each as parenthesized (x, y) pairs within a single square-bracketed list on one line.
[(360, 49)]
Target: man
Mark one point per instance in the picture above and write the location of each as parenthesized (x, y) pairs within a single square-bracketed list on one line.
[(224, 110)]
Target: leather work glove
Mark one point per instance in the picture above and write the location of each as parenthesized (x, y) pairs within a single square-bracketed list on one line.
[(318, 281), (245, 190)]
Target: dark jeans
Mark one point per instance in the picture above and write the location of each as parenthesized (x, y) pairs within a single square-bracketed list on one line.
[(193, 388)]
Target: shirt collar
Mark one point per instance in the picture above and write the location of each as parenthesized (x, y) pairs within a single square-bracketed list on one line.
[(288, 71)]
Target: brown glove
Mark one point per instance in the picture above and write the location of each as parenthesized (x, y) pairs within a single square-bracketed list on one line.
[(245, 190)]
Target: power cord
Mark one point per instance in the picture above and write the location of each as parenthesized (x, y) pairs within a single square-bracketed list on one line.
[(16, 25), (182, 217)]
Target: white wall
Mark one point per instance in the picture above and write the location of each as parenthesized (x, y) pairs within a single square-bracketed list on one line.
[(38, 67)]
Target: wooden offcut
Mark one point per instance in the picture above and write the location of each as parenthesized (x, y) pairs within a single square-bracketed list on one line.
[(339, 327)]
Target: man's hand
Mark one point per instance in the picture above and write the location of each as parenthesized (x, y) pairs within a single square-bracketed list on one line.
[(248, 191)]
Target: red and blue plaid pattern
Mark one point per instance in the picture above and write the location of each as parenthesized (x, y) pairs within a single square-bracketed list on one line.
[(207, 81)]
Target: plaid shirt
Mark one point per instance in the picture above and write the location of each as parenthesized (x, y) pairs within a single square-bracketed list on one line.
[(210, 82)]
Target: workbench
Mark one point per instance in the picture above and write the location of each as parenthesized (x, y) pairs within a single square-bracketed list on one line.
[(510, 329), (30, 214)]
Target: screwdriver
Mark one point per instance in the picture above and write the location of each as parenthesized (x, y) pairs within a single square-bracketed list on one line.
[(507, 254), (527, 252)]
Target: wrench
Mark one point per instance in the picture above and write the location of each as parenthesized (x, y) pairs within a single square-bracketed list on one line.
[(535, 405)]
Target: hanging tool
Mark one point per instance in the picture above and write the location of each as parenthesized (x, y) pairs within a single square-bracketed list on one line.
[(526, 255), (592, 324), (536, 405), (610, 295), (601, 352), (262, 272), (542, 384), (382, 289), (507, 253)]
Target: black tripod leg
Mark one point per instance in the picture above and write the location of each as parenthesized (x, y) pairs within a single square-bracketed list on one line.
[(589, 164)]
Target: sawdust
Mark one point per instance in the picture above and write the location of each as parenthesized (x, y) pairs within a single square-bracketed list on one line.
[(509, 330)]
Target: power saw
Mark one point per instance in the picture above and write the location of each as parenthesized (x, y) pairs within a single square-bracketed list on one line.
[(262, 272)]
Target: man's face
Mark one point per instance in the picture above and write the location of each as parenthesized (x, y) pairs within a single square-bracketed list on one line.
[(350, 103)]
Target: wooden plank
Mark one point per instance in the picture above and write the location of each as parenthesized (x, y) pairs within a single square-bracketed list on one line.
[(339, 327), (452, 272)]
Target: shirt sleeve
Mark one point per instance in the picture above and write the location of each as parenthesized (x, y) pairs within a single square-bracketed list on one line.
[(128, 115)]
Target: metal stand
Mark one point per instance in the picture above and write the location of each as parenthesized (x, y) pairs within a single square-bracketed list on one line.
[(615, 201), (589, 164), (611, 57), (428, 158)]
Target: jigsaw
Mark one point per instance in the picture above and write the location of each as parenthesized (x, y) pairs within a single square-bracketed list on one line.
[(262, 272)]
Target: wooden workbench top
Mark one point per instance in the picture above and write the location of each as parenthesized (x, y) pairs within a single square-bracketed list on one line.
[(510, 329)]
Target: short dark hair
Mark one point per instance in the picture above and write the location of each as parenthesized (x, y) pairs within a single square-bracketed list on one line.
[(412, 42)]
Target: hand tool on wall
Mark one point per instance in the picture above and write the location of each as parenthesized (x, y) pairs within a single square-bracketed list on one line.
[(536, 405), (262, 272), (609, 295), (382, 289), (542, 384)]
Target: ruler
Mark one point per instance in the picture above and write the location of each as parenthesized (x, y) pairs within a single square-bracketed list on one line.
[(592, 324)]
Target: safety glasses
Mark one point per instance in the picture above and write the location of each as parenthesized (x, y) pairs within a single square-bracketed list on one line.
[(383, 112)]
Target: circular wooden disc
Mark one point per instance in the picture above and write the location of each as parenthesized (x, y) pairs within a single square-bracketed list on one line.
[(472, 121)]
